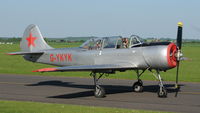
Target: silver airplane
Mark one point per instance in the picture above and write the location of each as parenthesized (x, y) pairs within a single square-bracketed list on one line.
[(105, 55)]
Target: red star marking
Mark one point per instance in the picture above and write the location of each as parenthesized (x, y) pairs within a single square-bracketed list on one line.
[(31, 40)]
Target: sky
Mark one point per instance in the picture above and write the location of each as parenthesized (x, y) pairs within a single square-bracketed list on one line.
[(63, 18)]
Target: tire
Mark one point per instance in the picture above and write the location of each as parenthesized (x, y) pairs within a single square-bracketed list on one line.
[(162, 93), (99, 92), (138, 87)]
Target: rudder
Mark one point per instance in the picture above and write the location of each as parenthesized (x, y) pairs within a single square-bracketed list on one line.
[(32, 40)]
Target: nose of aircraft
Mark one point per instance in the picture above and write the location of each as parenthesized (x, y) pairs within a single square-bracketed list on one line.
[(171, 55)]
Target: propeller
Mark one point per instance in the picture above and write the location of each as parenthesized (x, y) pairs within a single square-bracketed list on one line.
[(179, 35), (179, 54)]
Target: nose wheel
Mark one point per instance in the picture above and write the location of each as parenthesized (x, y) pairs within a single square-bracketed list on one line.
[(162, 92)]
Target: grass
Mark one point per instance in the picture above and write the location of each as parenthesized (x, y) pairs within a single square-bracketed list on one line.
[(36, 107), (189, 70)]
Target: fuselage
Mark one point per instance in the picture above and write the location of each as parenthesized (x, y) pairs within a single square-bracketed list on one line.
[(144, 57)]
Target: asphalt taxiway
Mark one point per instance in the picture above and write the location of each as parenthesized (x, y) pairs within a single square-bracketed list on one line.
[(79, 91)]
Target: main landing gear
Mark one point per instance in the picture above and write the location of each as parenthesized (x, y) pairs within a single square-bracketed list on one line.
[(99, 91), (138, 86)]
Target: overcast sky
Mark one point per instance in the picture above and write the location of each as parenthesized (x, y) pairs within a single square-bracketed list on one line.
[(62, 18)]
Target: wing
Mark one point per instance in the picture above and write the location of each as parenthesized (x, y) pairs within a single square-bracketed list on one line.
[(89, 67)]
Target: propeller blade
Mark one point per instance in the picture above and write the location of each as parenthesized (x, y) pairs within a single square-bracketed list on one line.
[(179, 44), (176, 85), (179, 35), (177, 90), (185, 59)]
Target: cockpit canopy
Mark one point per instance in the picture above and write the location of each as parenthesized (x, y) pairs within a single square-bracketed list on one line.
[(112, 42)]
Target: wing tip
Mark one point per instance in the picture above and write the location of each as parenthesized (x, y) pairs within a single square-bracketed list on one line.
[(45, 70), (10, 53)]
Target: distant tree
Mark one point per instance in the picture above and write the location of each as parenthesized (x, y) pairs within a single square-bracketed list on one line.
[(62, 41)]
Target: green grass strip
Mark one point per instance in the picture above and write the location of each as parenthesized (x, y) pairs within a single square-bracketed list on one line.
[(37, 107)]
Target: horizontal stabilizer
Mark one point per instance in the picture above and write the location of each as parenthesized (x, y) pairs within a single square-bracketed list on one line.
[(24, 53), (87, 68)]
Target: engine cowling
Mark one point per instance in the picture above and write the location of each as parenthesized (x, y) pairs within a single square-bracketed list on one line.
[(161, 57), (171, 55)]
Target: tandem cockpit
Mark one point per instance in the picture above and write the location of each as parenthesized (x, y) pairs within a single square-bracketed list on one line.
[(116, 42)]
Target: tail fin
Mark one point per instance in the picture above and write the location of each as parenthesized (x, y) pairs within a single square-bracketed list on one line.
[(32, 40)]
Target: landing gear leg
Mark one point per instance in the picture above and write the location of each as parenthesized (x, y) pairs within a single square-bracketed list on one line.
[(138, 86), (162, 92), (99, 91)]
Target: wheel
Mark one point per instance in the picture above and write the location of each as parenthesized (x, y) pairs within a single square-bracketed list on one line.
[(99, 92), (138, 86), (162, 92)]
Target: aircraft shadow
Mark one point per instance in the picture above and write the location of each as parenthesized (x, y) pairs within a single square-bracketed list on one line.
[(110, 89)]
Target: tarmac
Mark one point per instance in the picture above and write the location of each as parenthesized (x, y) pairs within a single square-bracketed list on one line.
[(119, 94)]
